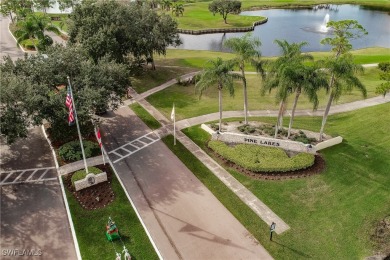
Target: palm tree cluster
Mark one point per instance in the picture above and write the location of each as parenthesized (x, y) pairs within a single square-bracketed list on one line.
[(291, 73), (33, 28)]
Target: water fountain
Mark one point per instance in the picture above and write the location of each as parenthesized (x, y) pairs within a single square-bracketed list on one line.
[(323, 27)]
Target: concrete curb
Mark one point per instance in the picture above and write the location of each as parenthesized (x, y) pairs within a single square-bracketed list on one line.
[(76, 244), (135, 209), (20, 47)]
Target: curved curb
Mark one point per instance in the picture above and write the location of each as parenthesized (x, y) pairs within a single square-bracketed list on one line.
[(76, 244), (20, 46), (223, 30)]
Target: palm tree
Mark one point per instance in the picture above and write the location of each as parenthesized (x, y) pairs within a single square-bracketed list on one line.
[(304, 79), (33, 28), (341, 66), (342, 71), (178, 9), (246, 49), (278, 75), (218, 74)]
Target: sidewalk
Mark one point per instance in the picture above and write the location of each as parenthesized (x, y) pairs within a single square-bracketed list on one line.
[(335, 109), (243, 193)]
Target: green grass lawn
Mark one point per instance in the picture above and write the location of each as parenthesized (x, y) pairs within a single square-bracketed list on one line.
[(255, 4), (148, 79), (331, 215), (90, 228), (197, 16), (147, 118), (189, 105)]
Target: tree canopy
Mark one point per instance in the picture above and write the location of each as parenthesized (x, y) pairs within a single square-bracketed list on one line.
[(117, 30), (35, 89), (225, 7)]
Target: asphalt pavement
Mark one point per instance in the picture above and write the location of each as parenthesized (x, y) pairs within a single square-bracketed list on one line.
[(183, 217), (33, 215)]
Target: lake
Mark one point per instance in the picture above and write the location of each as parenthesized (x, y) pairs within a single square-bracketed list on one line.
[(297, 25)]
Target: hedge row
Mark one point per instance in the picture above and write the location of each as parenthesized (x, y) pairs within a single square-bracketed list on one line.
[(262, 159)]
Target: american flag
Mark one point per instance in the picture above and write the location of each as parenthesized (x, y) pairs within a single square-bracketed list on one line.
[(69, 104)]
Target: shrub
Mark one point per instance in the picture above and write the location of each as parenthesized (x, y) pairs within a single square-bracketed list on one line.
[(71, 151), (79, 175), (301, 137), (262, 159), (214, 126), (246, 129)]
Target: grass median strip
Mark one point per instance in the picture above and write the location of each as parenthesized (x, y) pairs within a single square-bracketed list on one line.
[(332, 215), (144, 115), (90, 228)]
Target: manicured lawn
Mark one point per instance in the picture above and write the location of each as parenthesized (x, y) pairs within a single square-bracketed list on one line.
[(331, 215), (147, 118), (148, 78), (198, 59), (197, 16), (90, 228), (189, 105), (250, 4)]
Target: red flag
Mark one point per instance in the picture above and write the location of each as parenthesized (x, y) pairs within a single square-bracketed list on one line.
[(69, 105), (98, 137)]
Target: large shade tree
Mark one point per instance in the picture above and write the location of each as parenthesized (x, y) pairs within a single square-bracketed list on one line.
[(96, 86), (120, 29), (225, 7), (218, 74), (247, 50), (340, 65)]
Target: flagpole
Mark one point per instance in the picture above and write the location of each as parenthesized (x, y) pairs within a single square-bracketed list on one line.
[(174, 125), (78, 127)]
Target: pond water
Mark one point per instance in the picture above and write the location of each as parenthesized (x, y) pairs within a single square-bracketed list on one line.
[(297, 25)]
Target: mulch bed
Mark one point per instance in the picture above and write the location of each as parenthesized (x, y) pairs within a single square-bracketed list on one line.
[(95, 197), (318, 167)]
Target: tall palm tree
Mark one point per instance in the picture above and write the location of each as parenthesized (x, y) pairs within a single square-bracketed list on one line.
[(342, 71), (341, 66), (278, 73), (218, 74), (247, 50), (304, 79)]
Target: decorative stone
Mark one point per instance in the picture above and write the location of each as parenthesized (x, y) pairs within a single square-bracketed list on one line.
[(90, 180)]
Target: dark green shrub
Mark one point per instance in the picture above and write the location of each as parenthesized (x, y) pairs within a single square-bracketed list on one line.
[(246, 129), (214, 126), (71, 151), (79, 175), (301, 137), (262, 159)]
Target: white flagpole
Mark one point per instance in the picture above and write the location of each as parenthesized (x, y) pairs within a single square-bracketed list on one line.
[(174, 124), (78, 127)]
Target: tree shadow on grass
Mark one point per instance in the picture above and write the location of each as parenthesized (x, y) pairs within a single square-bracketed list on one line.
[(302, 254)]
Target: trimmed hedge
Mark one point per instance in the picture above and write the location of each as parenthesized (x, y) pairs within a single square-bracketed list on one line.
[(262, 159), (79, 175), (71, 151)]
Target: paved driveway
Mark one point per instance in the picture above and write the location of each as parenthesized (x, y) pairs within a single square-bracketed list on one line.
[(184, 218), (33, 215), (7, 43)]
